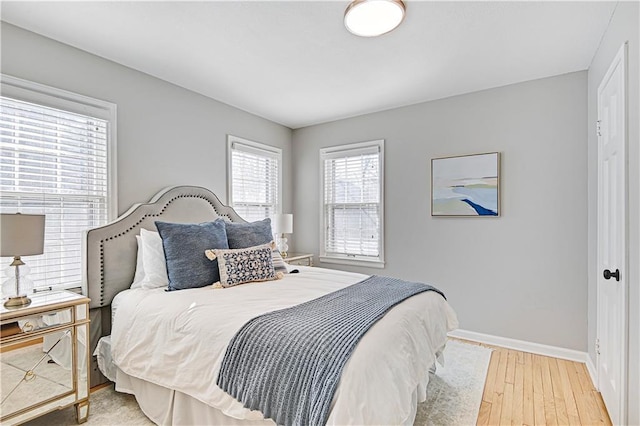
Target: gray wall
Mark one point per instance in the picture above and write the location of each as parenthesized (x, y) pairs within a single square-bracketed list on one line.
[(623, 27), (522, 275), (167, 135)]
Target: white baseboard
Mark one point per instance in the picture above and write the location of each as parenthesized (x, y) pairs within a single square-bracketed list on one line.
[(524, 346), (593, 372)]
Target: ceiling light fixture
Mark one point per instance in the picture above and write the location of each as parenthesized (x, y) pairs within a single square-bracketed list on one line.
[(371, 18)]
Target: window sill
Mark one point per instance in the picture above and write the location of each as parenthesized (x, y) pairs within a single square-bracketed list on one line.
[(354, 262), (75, 288)]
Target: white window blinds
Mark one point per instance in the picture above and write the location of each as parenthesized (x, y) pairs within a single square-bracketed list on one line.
[(352, 200), (54, 162), (254, 179)]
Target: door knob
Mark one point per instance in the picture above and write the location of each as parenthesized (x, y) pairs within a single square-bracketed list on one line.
[(608, 274)]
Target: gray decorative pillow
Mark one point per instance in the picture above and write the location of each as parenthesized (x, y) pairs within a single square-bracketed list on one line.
[(240, 266), (278, 262), (243, 235), (184, 246)]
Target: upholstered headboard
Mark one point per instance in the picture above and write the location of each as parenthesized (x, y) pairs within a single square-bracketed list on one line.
[(110, 252)]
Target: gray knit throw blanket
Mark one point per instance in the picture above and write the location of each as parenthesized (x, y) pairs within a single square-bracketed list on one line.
[(287, 363)]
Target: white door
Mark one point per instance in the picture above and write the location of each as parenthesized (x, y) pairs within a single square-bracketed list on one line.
[(612, 244)]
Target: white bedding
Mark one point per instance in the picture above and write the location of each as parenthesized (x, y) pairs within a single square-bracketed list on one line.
[(178, 339)]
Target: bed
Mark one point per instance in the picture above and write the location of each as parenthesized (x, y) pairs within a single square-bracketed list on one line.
[(166, 348)]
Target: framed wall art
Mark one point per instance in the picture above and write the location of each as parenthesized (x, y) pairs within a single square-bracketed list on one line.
[(467, 185)]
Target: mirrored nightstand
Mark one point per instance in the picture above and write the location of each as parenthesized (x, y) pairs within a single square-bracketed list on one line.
[(305, 259), (44, 354)]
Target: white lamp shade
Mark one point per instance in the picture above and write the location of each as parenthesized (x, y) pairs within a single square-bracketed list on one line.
[(283, 223), (21, 234), (371, 18)]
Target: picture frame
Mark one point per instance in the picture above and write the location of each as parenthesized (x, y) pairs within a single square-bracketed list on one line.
[(466, 185)]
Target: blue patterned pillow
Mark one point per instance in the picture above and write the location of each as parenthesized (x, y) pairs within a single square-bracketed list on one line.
[(184, 245), (239, 266)]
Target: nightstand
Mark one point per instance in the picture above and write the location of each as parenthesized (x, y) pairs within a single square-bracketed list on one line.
[(299, 259), (44, 357)]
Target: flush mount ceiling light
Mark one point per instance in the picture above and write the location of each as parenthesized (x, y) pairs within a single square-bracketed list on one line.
[(371, 18)]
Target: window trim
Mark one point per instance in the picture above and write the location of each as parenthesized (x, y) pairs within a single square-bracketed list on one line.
[(53, 97), (56, 98), (345, 259), (260, 147)]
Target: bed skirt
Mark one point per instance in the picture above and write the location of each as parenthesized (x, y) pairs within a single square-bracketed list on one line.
[(165, 406)]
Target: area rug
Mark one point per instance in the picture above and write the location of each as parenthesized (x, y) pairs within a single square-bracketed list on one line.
[(455, 391), (453, 396)]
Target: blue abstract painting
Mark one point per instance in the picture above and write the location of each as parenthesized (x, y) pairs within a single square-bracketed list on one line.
[(467, 185)]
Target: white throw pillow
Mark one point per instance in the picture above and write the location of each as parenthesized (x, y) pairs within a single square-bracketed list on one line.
[(153, 260), (139, 275)]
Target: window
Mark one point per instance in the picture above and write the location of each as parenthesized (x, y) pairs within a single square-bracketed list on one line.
[(352, 204), (254, 178), (56, 152)]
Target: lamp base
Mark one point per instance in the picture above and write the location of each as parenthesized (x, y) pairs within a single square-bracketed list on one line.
[(282, 246), (17, 301)]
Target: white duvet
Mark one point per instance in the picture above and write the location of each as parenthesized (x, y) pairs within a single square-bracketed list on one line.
[(178, 339)]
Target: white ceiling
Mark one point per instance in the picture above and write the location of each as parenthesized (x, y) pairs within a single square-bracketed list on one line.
[(293, 62)]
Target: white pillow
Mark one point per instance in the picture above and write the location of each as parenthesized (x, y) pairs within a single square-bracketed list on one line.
[(153, 260), (139, 275)]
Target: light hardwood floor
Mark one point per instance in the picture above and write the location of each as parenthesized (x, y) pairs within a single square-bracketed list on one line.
[(528, 389)]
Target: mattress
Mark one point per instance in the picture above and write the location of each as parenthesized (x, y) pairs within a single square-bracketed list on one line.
[(103, 349), (384, 378)]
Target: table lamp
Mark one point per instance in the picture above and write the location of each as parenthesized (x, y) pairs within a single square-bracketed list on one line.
[(282, 224), (20, 235)]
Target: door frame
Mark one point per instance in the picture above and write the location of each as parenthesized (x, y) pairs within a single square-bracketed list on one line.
[(621, 57)]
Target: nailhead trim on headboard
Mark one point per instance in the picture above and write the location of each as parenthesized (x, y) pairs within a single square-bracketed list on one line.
[(212, 203)]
